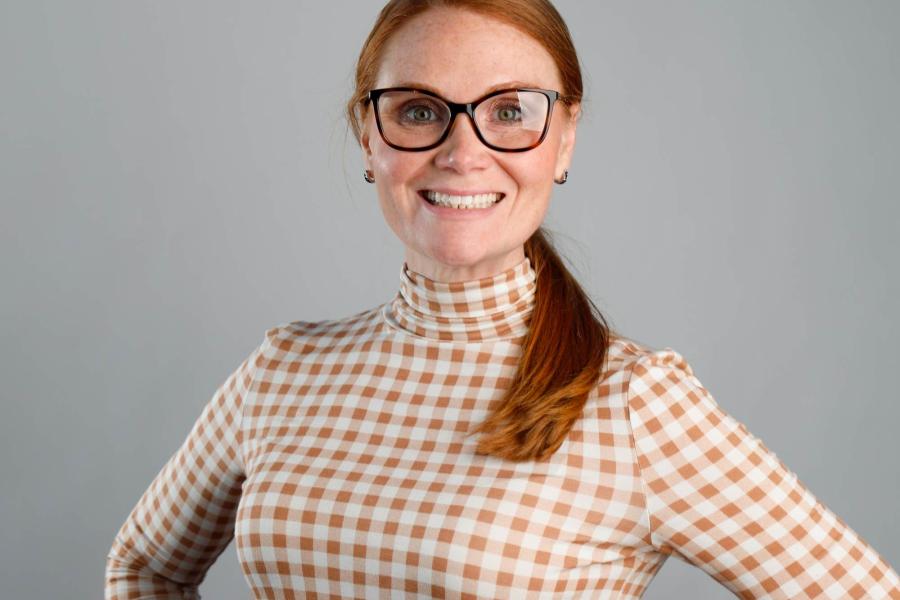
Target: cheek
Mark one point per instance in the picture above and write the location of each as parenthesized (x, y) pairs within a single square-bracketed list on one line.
[(396, 168), (534, 174), (395, 176), (392, 169)]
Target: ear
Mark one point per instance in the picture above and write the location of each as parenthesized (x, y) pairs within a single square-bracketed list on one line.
[(567, 140), (365, 140)]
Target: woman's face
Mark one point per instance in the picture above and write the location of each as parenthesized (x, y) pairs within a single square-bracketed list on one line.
[(462, 55)]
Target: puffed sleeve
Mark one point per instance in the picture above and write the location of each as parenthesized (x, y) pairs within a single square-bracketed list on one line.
[(719, 499), (185, 519)]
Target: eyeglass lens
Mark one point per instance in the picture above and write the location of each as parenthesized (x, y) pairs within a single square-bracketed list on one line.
[(510, 120)]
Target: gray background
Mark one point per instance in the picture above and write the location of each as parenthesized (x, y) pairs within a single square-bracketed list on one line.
[(177, 177)]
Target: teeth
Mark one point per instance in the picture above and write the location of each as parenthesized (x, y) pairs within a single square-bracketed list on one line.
[(464, 202)]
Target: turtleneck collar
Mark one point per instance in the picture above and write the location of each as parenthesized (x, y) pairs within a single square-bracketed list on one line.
[(493, 308)]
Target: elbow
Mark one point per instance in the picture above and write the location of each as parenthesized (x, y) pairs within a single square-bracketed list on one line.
[(131, 576)]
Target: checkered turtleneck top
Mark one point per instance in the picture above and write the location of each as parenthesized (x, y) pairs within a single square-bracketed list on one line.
[(337, 458)]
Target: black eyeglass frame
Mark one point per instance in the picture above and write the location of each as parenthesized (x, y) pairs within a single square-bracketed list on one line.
[(467, 108)]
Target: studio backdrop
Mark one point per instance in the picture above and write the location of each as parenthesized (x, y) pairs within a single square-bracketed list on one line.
[(176, 178)]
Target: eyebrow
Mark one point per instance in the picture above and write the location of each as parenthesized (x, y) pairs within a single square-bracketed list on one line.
[(493, 88)]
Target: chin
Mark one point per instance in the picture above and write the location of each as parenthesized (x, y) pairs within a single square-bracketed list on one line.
[(458, 257)]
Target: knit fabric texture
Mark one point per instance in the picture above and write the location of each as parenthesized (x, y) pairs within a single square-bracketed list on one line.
[(338, 458)]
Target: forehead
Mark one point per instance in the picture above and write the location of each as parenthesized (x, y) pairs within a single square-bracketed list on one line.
[(461, 54)]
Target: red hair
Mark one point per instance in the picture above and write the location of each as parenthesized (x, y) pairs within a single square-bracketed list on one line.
[(564, 352)]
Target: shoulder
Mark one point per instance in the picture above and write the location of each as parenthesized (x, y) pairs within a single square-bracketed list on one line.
[(662, 393), (642, 371), (298, 338), (628, 357)]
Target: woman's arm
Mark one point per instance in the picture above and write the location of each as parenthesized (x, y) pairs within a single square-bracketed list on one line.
[(720, 500), (185, 519)]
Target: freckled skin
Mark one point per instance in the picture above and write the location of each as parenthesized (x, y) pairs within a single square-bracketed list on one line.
[(461, 54)]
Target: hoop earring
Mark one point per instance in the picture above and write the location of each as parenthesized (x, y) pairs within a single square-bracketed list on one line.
[(369, 176), (563, 179)]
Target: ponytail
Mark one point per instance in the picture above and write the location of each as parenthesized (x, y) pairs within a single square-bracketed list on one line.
[(562, 359)]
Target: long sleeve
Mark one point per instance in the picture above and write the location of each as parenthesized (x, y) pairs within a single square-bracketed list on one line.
[(185, 519), (719, 499)]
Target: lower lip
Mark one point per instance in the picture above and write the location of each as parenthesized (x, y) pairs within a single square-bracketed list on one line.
[(448, 212)]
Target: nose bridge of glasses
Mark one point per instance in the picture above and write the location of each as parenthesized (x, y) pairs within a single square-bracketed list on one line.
[(461, 110)]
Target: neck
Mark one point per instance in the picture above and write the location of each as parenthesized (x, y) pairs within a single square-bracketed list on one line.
[(496, 307)]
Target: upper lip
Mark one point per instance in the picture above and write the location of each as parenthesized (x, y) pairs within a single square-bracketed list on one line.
[(452, 192)]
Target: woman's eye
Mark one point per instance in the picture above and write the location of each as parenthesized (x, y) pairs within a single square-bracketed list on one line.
[(508, 113), (420, 113)]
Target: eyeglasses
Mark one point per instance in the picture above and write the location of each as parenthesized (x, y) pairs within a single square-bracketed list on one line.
[(508, 120)]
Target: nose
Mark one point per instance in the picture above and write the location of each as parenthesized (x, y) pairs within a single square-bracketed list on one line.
[(462, 151)]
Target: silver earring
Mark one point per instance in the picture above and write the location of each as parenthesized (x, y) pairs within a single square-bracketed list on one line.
[(369, 176), (563, 179)]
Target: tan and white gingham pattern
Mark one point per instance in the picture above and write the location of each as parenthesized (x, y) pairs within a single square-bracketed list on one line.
[(492, 307), (337, 456)]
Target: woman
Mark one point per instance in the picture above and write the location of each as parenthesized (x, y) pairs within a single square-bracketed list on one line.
[(483, 434)]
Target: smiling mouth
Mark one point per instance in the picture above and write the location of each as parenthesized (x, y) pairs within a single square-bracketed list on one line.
[(462, 202)]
